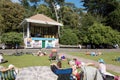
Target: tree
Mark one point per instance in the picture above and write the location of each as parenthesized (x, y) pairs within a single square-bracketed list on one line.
[(113, 19), (104, 8), (12, 38), (2, 26), (87, 20), (43, 9), (53, 5), (68, 37), (12, 17), (69, 17), (99, 34)]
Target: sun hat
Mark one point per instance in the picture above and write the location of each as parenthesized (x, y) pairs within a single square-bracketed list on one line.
[(101, 61), (11, 66)]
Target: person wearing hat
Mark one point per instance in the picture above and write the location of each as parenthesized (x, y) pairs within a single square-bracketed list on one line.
[(102, 68)]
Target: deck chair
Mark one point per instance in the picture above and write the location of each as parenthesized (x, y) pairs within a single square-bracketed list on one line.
[(63, 74), (8, 75)]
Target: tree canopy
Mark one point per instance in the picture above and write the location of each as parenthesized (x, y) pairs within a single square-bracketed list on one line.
[(97, 22)]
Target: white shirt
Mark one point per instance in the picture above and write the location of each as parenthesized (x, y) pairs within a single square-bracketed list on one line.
[(102, 68), (1, 58)]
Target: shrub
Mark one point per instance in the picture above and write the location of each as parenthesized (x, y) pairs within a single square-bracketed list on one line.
[(68, 37), (12, 38)]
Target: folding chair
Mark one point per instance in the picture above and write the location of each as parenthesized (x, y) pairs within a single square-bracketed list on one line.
[(63, 74), (8, 75)]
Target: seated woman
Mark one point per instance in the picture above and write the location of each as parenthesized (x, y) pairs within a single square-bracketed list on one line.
[(75, 73), (8, 73), (79, 63)]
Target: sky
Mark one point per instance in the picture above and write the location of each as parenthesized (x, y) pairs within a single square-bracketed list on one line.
[(76, 2)]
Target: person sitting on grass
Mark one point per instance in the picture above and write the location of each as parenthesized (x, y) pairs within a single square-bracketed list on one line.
[(79, 63), (2, 60), (54, 55), (40, 53)]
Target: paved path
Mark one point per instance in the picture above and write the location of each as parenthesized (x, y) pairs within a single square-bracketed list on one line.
[(36, 73)]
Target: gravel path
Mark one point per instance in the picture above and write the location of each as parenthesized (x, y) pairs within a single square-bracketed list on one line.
[(36, 73)]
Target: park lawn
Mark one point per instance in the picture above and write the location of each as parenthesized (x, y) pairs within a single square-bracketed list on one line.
[(107, 56), (27, 60), (30, 60)]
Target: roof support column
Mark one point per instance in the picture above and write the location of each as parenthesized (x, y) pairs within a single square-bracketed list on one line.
[(58, 31), (28, 30)]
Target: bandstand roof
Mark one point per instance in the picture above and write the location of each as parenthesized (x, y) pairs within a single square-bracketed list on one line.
[(41, 19)]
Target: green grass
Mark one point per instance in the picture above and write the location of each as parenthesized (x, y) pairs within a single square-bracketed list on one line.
[(108, 57), (27, 60), (30, 60)]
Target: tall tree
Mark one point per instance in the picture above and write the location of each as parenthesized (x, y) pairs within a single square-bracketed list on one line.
[(11, 15), (53, 4), (43, 9), (105, 8)]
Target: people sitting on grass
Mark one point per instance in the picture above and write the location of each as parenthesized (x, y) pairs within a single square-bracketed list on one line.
[(86, 72), (41, 53), (93, 53), (2, 60)]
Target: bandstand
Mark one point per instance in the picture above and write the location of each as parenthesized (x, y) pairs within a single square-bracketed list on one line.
[(40, 31)]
